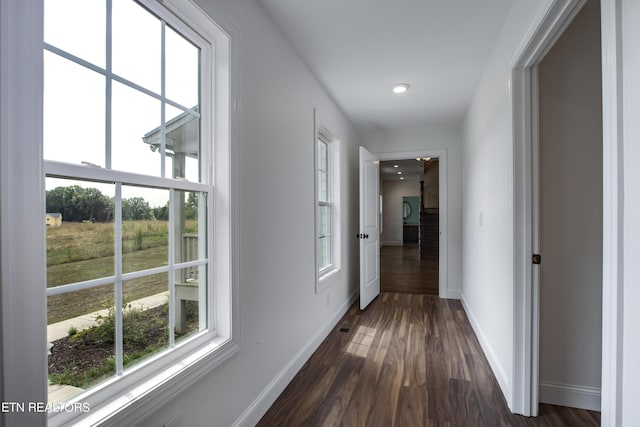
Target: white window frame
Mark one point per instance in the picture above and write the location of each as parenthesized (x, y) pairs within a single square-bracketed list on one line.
[(326, 275), (128, 399)]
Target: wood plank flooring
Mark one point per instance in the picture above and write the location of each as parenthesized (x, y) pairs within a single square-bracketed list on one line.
[(402, 270), (407, 360)]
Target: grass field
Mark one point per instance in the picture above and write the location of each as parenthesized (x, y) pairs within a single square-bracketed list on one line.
[(84, 251)]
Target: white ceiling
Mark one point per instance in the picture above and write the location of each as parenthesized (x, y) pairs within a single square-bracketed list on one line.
[(411, 170), (358, 49)]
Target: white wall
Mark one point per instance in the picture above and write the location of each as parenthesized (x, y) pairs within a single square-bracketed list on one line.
[(280, 314), (392, 226), (434, 138), (571, 215), (487, 179), (631, 223)]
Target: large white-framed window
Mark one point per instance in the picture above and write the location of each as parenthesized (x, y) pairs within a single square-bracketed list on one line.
[(328, 226), (133, 178)]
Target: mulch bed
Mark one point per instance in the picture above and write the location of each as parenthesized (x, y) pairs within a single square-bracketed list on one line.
[(80, 356)]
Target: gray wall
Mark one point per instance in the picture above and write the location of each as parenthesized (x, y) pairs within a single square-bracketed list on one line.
[(571, 213), (393, 192)]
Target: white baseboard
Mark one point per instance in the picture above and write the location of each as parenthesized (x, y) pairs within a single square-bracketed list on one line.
[(570, 395), (454, 294), (496, 367), (265, 399)]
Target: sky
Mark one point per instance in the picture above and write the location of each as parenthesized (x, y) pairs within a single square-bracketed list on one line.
[(75, 100)]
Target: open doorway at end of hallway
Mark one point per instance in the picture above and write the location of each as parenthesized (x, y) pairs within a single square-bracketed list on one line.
[(409, 256)]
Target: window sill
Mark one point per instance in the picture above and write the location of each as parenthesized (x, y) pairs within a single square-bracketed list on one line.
[(326, 278), (140, 401)]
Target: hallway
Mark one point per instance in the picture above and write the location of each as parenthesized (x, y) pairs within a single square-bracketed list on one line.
[(407, 360), (401, 270)]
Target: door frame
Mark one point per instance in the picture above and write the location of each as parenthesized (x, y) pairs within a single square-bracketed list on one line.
[(523, 385), (524, 313), (612, 224), (441, 155)]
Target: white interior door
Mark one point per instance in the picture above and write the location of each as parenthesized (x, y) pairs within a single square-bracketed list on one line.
[(369, 234)]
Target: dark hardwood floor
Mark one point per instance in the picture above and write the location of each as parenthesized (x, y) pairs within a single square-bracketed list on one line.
[(402, 270), (407, 360)]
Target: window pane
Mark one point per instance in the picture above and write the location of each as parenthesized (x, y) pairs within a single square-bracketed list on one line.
[(145, 233), (190, 303), (322, 156), (80, 231), (182, 144), (62, 27), (145, 317), (192, 169), (323, 172), (74, 112), (190, 228), (135, 115), (324, 252), (323, 186), (324, 224), (324, 236), (81, 338), (182, 59), (190, 282), (136, 44)]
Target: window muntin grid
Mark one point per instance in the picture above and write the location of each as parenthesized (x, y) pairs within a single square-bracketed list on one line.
[(121, 131)]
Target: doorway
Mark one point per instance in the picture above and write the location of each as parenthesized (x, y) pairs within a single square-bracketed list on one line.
[(410, 260), (569, 212), (409, 238), (525, 313)]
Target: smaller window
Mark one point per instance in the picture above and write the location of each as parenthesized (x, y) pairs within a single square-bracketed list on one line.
[(327, 205)]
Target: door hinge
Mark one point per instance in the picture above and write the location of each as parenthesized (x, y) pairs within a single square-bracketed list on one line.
[(536, 258)]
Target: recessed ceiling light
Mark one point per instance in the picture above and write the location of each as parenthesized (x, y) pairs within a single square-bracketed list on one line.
[(399, 173), (402, 177), (400, 88), (395, 166)]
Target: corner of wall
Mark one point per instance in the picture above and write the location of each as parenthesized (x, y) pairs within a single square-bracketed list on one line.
[(498, 370)]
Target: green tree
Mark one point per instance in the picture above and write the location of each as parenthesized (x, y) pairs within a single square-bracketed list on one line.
[(136, 208), (79, 204), (161, 213), (92, 205)]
